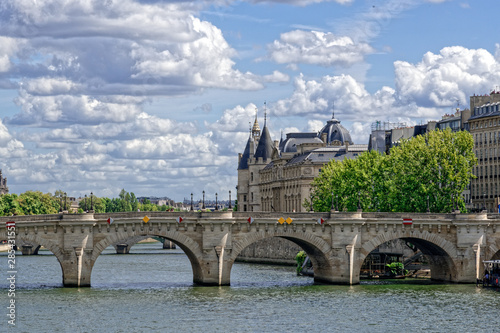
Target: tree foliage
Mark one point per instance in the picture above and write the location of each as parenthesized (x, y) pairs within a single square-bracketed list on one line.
[(425, 172), (28, 203)]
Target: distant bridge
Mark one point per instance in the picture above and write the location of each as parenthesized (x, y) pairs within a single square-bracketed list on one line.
[(454, 244)]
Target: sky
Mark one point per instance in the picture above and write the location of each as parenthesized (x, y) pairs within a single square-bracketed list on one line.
[(155, 97)]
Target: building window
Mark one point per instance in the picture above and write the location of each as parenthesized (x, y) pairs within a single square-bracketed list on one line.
[(251, 176), (244, 198)]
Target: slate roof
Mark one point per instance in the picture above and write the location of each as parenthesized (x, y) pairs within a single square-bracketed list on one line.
[(244, 158), (265, 146)]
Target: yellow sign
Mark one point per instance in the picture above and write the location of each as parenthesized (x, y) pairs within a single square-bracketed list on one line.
[(145, 219), (288, 220), (281, 220)]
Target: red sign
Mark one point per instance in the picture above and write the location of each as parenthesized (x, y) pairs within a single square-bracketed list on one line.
[(321, 221), (250, 220), (407, 221), (179, 219), (10, 224)]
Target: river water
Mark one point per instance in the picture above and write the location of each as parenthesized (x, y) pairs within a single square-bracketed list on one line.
[(151, 290)]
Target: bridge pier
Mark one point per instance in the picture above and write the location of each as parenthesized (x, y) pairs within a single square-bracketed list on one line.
[(29, 250), (77, 267), (122, 249), (168, 244)]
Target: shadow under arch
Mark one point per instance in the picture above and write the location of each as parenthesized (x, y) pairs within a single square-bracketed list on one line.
[(33, 238), (188, 245), (442, 266), (496, 253), (316, 248)]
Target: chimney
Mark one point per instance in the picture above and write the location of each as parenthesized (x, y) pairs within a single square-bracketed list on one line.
[(323, 137)]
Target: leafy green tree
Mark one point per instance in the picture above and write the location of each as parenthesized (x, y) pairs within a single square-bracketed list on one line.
[(425, 172), (9, 205)]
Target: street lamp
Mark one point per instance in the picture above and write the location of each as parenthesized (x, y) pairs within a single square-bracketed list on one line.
[(311, 209), (192, 208), (85, 203), (61, 206), (333, 208), (91, 202), (484, 200), (216, 205), (65, 198), (230, 199), (203, 204)]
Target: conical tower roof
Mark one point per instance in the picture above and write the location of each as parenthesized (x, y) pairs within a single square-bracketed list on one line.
[(244, 158), (265, 146)]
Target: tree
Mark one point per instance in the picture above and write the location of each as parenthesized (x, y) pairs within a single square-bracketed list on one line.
[(425, 172)]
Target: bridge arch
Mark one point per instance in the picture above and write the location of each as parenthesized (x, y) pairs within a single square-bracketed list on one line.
[(494, 252), (318, 250), (37, 239), (187, 244), (437, 250)]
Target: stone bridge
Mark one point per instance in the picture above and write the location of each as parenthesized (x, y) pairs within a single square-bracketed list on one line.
[(454, 244)]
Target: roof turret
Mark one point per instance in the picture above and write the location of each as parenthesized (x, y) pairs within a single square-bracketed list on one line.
[(335, 132)]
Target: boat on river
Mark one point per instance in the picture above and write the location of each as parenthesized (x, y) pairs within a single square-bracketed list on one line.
[(491, 276)]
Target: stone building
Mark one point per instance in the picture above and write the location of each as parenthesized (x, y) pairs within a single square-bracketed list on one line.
[(484, 125), (3, 184), (277, 176)]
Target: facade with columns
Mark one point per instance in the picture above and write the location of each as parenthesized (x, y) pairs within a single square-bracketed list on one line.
[(277, 175)]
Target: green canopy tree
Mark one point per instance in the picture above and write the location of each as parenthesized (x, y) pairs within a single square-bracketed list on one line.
[(425, 172)]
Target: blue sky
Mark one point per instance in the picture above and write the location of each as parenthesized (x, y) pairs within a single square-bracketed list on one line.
[(156, 96)]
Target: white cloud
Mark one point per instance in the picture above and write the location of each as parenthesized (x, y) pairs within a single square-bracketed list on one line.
[(47, 110), (302, 2), (315, 125), (441, 80), (317, 48)]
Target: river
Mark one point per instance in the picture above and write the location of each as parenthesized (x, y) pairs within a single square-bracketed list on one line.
[(151, 290)]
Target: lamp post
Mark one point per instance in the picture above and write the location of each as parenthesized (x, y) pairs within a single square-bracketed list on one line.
[(91, 202), (65, 198), (333, 208), (230, 199), (203, 202), (60, 199), (311, 208), (484, 200), (85, 203), (216, 205), (337, 202), (192, 208)]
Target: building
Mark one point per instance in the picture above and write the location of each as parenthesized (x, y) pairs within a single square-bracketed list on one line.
[(3, 184), (277, 176), (484, 125)]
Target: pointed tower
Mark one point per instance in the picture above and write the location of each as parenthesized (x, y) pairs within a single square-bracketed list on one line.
[(256, 128), (261, 158)]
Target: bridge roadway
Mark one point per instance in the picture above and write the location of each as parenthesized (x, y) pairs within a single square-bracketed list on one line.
[(454, 244)]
